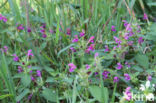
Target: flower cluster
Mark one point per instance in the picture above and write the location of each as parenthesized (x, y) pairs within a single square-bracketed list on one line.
[(43, 30), (3, 18)]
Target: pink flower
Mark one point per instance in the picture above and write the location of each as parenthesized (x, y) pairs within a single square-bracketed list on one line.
[(73, 49), (5, 49), (38, 73), (20, 69), (32, 78), (130, 43), (117, 40), (15, 58), (140, 40), (30, 53), (145, 16), (127, 77), (72, 67), (113, 28), (3, 18), (20, 27), (51, 31), (105, 74), (28, 29), (128, 94), (128, 27), (116, 79), (82, 33), (149, 77), (68, 31), (91, 39), (87, 66), (106, 48), (44, 35), (76, 39), (42, 31), (119, 66), (125, 23), (90, 48), (126, 36)]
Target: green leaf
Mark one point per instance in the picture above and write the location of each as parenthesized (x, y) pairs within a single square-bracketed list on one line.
[(49, 95), (97, 93), (142, 60), (50, 80), (4, 96), (64, 49), (23, 94), (26, 80)]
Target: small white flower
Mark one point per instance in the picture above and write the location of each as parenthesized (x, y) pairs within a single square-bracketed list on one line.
[(142, 87), (147, 84)]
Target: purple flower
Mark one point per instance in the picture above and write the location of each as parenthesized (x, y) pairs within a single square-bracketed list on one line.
[(42, 31), (117, 40), (91, 39), (5, 49), (28, 29), (119, 66), (44, 35), (38, 73), (90, 48), (30, 72), (128, 94), (140, 40), (96, 55), (145, 16), (96, 73), (68, 31), (128, 27), (20, 27), (87, 66), (113, 28), (127, 64), (73, 49), (106, 48), (105, 74), (20, 69), (51, 31), (3, 18), (43, 26), (72, 67), (76, 39), (15, 58), (116, 79), (127, 77), (126, 36), (30, 53), (32, 78), (130, 43), (149, 77), (125, 23), (30, 96), (82, 33)]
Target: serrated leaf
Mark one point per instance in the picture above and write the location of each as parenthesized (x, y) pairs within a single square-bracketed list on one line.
[(97, 93), (142, 60), (23, 94), (49, 95), (26, 80)]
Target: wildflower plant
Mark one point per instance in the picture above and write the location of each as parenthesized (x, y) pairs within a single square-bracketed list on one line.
[(87, 51)]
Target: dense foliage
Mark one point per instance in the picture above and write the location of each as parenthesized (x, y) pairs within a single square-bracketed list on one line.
[(77, 51)]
